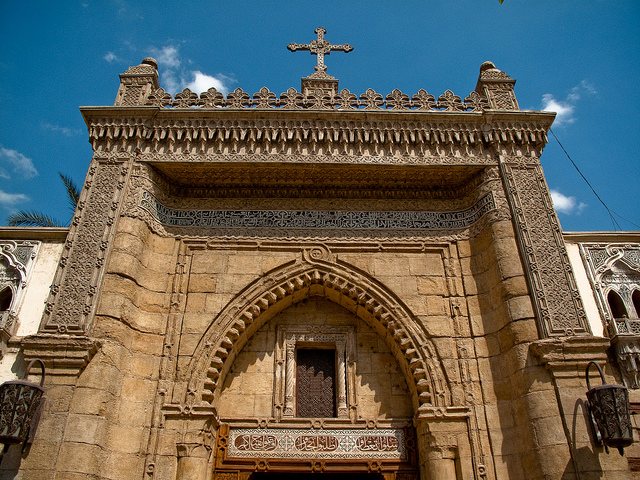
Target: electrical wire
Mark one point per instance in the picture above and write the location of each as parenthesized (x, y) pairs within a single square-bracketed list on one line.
[(612, 214)]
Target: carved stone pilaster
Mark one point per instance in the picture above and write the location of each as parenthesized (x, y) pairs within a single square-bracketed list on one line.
[(137, 83), (558, 306), (497, 87), (443, 438), (72, 299)]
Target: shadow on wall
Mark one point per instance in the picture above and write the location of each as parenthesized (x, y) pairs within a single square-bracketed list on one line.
[(586, 457)]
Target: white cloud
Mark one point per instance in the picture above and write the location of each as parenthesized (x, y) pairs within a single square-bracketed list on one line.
[(202, 82), (565, 204), (10, 199), (174, 77), (565, 109), (110, 57), (66, 131), (167, 56), (20, 164)]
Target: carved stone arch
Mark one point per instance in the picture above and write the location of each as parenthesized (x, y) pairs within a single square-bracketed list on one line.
[(318, 275)]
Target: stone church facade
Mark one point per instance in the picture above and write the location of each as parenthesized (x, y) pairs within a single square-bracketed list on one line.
[(257, 286)]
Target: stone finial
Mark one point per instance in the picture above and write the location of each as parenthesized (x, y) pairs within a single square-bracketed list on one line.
[(497, 87), (137, 83)]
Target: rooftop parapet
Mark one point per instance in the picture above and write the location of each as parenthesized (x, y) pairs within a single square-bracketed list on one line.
[(494, 91)]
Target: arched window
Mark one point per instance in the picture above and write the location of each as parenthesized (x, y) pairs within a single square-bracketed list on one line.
[(636, 302), (616, 305), (6, 296)]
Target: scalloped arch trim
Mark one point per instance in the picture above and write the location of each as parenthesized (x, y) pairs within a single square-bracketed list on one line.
[(314, 276)]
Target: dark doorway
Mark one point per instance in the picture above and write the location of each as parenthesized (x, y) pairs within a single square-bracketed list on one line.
[(315, 476)]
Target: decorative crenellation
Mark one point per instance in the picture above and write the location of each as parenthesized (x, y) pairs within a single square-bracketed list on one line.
[(316, 219), (73, 293), (556, 298), (292, 99)]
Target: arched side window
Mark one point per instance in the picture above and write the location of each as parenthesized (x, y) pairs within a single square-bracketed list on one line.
[(616, 305), (6, 297), (636, 302)]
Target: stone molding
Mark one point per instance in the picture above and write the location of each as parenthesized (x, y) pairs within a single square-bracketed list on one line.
[(568, 357), (318, 273), (72, 297), (556, 299), (63, 355)]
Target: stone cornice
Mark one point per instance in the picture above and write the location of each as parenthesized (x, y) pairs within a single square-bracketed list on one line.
[(325, 137), (542, 119), (52, 234)]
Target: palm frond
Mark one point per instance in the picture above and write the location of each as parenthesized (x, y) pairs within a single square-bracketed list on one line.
[(73, 192), (25, 218)]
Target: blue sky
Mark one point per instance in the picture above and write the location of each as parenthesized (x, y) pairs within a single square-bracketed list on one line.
[(579, 58)]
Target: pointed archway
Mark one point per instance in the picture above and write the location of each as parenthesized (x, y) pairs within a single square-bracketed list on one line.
[(318, 273)]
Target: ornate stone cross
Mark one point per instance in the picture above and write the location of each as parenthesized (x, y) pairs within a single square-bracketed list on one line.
[(320, 47)]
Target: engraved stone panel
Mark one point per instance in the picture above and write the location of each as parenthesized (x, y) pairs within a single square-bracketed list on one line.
[(73, 293), (553, 288), (379, 443), (317, 219)]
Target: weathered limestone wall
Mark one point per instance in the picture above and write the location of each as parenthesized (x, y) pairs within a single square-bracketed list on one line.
[(503, 325), (97, 426)]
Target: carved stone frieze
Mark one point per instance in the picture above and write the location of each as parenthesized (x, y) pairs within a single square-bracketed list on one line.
[(301, 443), (292, 220), (556, 299), (352, 139), (73, 293)]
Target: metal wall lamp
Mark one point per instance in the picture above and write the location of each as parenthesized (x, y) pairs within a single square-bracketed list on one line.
[(608, 412), (21, 403)]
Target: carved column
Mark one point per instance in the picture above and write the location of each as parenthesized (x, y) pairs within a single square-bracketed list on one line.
[(72, 299), (341, 386), (193, 461), (289, 381), (552, 285), (443, 442)]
